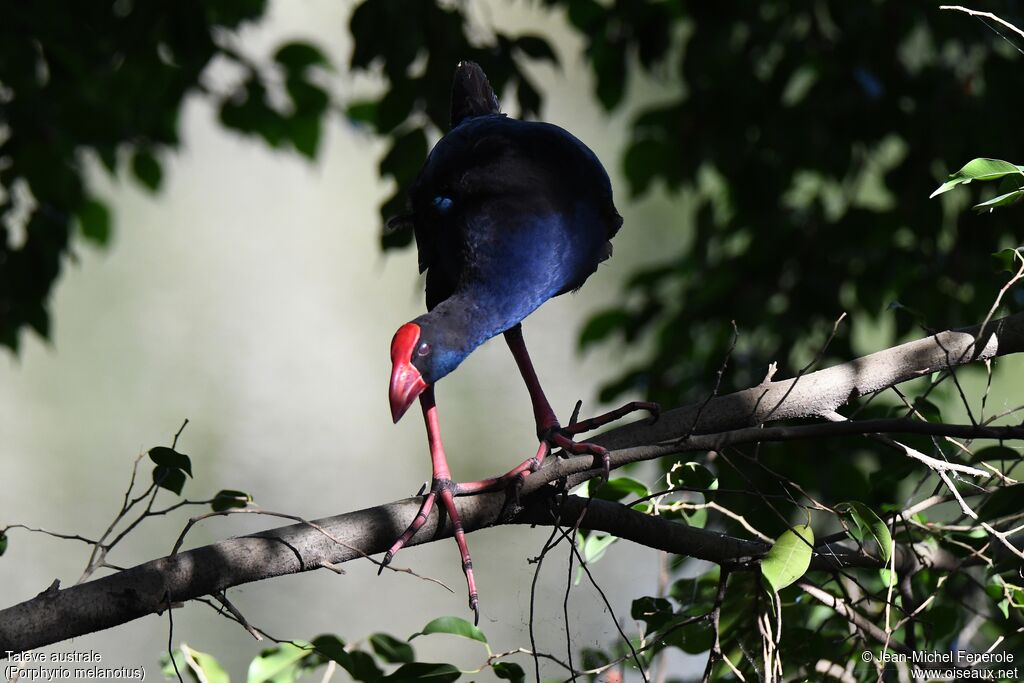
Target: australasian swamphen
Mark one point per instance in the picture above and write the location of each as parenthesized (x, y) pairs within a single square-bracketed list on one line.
[(507, 214)]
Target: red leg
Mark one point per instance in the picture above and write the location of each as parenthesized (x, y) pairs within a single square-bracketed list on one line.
[(448, 500), (548, 428), (542, 412), (421, 517), (441, 488)]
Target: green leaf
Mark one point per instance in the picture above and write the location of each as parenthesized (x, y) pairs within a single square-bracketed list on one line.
[(1015, 594), (1008, 260), (304, 132), (641, 163), (395, 106), (1004, 501), (694, 475), (424, 671), (929, 411), (698, 518), (168, 457), (362, 112), (456, 626), (509, 671), (167, 664), (655, 612), (406, 156), (310, 99), (996, 453), (332, 647), (696, 595), (171, 468), (391, 649), (594, 658), (3, 543), (362, 667), (601, 326), (1001, 200), (528, 97), (298, 56), (865, 519), (94, 220), (536, 47), (594, 545), (620, 487), (227, 499), (169, 478), (205, 667), (995, 588), (789, 557), (978, 169), (279, 664), (693, 638), (943, 620), (147, 169)]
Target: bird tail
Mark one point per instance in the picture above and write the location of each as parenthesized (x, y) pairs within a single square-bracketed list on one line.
[(472, 94)]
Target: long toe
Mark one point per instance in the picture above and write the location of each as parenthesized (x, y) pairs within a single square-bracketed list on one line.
[(611, 416), (417, 522), (448, 501)]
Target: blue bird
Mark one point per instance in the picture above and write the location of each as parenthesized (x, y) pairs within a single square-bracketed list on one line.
[(507, 214)]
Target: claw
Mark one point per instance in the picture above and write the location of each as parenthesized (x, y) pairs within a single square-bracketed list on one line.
[(574, 418), (601, 420), (441, 486), (560, 439), (417, 522), (562, 436), (385, 562)]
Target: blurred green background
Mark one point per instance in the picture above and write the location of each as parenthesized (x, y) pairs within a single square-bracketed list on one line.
[(225, 263), (250, 294)]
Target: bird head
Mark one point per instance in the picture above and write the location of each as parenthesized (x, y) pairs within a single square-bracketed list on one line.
[(426, 350), (407, 382)]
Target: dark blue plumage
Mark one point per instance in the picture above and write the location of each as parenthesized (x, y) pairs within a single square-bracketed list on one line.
[(507, 214)]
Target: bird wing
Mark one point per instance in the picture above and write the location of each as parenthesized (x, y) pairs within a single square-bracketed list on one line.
[(525, 168)]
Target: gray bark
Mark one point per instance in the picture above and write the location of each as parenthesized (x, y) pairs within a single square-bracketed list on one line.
[(148, 588)]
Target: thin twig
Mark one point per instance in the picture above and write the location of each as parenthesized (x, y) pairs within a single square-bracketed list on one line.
[(254, 510), (716, 610), (987, 15), (222, 598)]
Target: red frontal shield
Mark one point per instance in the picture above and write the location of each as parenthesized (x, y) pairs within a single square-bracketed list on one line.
[(406, 381)]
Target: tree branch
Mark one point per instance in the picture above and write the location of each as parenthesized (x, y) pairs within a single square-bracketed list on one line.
[(153, 586), (814, 393), (148, 588)]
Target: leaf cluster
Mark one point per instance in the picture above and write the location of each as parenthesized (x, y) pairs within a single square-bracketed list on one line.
[(107, 81), (381, 658)]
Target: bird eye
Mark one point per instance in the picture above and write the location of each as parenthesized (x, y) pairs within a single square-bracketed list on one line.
[(442, 203), (423, 349)]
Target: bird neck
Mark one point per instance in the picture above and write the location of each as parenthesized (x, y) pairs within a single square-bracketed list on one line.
[(465, 320)]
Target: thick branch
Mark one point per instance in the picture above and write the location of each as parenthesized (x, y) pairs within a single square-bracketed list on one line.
[(828, 389), (149, 588), (578, 469), (53, 616)]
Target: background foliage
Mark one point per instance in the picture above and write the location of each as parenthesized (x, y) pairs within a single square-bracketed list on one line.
[(107, 81), (807, 136)]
